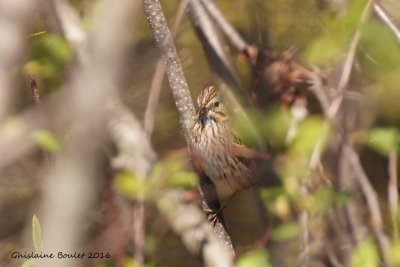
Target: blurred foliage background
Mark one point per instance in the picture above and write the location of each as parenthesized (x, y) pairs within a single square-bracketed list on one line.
[(320, 31)]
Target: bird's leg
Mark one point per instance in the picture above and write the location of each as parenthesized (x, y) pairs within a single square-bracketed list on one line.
[(214, 215)]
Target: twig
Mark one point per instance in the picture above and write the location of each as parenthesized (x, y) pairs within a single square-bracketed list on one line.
[(304, 256), (350, 156), (387, 19), (34, 89), (393, 193), (215, 50), (348, 64), (174, 70), (36, 97), (226, 27), (177, 82), (158, 77), (371, 198)]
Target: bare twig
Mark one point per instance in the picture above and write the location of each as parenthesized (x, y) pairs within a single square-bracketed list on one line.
[(226, 27), (387, 19), (215, 49), (34, 89), (348, 64), (393, 193), (158, 77), (177, 82), (371, 198)]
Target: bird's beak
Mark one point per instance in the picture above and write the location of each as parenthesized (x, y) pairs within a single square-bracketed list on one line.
[(202, 110)]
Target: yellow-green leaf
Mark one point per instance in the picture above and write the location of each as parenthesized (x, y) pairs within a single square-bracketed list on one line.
[(312, 132), (383, 140), (395, 254), (183, 179), (256, 258), (129, 185), (46, 140), (285, 231), (29, 263), (365, 255), (36, 233)]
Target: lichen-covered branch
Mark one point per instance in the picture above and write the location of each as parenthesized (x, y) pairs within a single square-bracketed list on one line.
[(195, 231), (176, 77)]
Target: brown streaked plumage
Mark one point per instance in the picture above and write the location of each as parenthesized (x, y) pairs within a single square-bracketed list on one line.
[(228, 164)]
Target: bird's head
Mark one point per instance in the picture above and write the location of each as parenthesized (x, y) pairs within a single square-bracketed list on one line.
[(210, 107)]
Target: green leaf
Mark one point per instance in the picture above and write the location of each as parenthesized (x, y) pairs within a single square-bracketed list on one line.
[(395, 254), (312, 131), (36, 233), (285, 231), (183, 179), (46, 140), (326, 197), (256, 258), (29, 263), (365, 255), (129, 185), (383, 140)]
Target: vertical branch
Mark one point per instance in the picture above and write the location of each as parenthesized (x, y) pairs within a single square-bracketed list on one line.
[(158, 77), (387, 19), (226, 27), (176, 78), (393, 194)]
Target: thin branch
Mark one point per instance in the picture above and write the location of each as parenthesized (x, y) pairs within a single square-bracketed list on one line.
[(34, 89), (195, 231), (371, 198), (387, 19), (226, 27), (348, 64), (158, 78), (350, 156), (215, 49), (176, 78), (393, 193)]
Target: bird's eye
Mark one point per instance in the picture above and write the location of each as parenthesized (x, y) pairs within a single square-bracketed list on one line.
[(216, 104)]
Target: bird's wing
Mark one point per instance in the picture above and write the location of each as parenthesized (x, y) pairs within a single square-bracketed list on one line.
[(261, 163)]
